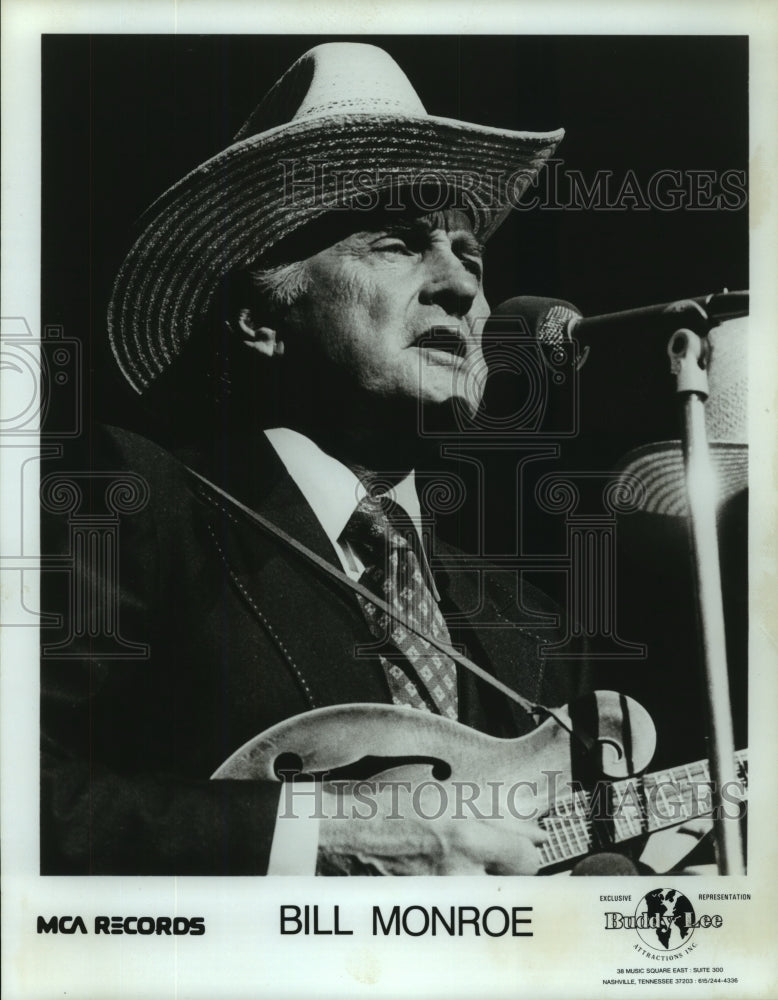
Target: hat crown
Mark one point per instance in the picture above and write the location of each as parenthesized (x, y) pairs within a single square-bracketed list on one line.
[(336, 78), (726, 411)]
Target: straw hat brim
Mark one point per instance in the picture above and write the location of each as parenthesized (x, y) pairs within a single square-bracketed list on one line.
[(653, 476), (229, 211)]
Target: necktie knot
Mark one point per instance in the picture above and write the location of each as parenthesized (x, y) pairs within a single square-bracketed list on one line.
[(378, 524)]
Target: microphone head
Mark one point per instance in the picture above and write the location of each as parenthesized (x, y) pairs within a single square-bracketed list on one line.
[(606, 863), (550, 320)]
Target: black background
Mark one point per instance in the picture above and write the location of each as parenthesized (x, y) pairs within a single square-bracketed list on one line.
[(124, 117)]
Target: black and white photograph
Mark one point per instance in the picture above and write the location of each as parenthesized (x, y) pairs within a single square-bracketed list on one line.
[(381, 505)]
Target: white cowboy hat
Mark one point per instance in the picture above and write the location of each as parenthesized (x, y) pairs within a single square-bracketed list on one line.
[(341, 125)]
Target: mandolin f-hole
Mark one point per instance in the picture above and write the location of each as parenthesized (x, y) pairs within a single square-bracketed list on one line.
[(288, 766)]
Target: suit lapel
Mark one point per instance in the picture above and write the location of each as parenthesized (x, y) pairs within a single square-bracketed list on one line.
[(470, 597), (314, 621)]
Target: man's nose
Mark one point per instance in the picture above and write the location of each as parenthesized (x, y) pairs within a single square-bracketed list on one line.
[(449, 284)]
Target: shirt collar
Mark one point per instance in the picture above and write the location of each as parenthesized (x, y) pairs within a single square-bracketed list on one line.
[(330, 487)]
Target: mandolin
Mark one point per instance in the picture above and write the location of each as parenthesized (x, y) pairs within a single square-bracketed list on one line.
[(580, 774)]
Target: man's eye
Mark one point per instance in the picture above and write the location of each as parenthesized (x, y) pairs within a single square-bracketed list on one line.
[(392, 246)]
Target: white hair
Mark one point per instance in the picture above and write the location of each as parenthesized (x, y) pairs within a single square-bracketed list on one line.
[(280, 286)]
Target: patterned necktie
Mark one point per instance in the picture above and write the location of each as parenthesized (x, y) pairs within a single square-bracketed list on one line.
[(384, 537)]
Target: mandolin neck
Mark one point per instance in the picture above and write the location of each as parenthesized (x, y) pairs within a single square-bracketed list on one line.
[(630, 807)]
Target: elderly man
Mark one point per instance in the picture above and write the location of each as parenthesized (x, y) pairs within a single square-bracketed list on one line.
[(300, 303)]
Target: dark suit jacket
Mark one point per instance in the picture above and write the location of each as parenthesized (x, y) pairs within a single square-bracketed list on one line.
[(242, 633)]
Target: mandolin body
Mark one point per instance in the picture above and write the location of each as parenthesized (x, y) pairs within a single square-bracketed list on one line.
[(605, 735)]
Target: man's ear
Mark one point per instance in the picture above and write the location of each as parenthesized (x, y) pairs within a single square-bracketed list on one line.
[(259, 338)]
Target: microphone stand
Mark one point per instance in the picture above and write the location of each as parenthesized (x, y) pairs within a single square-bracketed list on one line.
[(689, 356)]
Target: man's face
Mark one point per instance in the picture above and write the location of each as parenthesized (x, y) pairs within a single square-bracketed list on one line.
[(374, 296)]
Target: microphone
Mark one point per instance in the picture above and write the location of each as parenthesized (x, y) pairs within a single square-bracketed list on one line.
[(626, 389), (605, 864), (553, 321)]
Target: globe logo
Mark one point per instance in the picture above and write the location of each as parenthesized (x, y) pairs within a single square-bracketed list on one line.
[(665, 918)]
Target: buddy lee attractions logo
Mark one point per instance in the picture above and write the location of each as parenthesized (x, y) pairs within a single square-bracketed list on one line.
[(665, 922)]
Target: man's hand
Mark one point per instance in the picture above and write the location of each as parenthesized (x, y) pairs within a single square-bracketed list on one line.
[(381, 838)]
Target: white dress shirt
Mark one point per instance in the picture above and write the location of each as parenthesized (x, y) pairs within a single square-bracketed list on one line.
[(332, 491)]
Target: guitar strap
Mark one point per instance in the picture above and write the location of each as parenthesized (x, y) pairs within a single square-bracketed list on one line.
[(537, 711)]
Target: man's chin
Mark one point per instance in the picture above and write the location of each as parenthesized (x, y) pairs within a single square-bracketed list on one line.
[(451, 414), (458, 390)]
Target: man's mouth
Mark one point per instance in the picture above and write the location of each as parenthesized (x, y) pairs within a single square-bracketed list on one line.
[(447, 341)]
